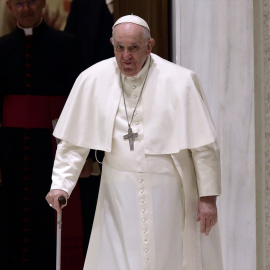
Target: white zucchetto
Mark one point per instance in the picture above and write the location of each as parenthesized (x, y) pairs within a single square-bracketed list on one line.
[(132, 19)]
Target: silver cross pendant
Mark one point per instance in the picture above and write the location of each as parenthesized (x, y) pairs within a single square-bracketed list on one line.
[(131, 137)]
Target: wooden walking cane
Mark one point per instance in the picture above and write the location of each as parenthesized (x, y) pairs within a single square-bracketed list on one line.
[(62, 201)]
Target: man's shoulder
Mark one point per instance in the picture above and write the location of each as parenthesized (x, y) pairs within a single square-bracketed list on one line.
[(10, 37), (59, 34), (169, 68), (103, 68)]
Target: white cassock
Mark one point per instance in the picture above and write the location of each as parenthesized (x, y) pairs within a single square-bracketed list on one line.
[(147, 206)]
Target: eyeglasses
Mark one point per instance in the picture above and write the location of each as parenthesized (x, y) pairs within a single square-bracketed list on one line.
[(29, 3)]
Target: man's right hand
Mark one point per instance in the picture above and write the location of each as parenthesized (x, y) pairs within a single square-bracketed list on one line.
[(52, 199)]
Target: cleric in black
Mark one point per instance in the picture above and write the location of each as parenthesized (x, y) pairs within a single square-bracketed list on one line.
[(38, 66)]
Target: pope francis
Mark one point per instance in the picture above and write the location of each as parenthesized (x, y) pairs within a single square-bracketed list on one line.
[(161, 172)]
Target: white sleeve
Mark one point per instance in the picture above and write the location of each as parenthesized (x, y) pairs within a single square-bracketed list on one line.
[(68, 163), (207, 166)]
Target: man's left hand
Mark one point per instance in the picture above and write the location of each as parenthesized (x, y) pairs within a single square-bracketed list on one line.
[(207, 213)]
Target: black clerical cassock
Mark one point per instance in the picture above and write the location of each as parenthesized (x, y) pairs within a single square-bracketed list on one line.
[(36, 74)]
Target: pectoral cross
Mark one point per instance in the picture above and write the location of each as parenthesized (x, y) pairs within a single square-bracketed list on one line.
[(131, 137)]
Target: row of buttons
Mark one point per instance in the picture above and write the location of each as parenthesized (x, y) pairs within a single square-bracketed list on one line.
[(28, 64), (142, 193), (144, 221)]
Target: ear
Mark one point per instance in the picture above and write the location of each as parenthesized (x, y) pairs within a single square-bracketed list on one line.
[(9, 5), (111, 40), (151, 44)]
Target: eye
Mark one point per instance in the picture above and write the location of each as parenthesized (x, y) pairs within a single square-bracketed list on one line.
[(119, 48), (134, 48), (18, 4)]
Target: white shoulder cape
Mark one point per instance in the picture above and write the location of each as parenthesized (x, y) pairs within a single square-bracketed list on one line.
[(175, 111)]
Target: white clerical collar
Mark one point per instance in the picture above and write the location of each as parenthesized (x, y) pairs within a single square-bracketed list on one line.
[(29, 31)]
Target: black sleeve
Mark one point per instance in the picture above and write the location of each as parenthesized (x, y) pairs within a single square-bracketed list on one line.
[(99, 155)]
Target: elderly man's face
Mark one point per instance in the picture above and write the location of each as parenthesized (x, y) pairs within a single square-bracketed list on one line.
[(131, 48), (27, 12)]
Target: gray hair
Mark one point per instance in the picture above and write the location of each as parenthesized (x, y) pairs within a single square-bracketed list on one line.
[(146, 32)]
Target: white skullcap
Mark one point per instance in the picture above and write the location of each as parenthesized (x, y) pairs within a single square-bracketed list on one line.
[(132, 19)]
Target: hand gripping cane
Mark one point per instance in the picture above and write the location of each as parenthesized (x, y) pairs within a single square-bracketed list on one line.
[(62, 201)]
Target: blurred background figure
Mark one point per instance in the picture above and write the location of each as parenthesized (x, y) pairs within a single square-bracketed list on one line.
[(91, 21), (55, 15), (38, 66)]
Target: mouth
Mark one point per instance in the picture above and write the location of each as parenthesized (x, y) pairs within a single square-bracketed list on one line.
[(127, 63), (27, 15)]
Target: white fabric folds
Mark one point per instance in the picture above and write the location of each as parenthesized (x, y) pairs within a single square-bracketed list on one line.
[(174, 110)]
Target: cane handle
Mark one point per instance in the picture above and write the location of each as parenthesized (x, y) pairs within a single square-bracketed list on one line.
[(62, 200)]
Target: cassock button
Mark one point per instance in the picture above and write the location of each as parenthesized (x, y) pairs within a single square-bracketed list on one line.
[(145, 250), (143, 211), (134, 86), (135, 96), (142, 200), (144, 220), (146, 260), (144, 231)]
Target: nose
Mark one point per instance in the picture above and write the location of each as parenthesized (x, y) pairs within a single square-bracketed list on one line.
[(26, 7), (126, 54)]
